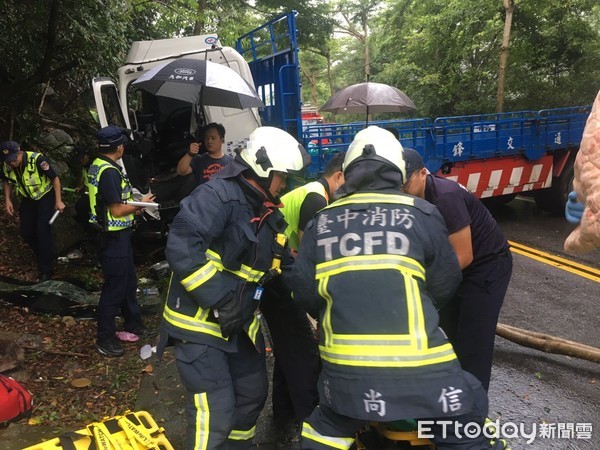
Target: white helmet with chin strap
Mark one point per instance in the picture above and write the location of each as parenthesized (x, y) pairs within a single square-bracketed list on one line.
[(374, 143), (271, 150)]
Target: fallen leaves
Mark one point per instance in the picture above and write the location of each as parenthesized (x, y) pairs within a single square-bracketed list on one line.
[(81, 382), (81, 387)]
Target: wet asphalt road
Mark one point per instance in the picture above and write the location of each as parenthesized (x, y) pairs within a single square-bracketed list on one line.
[(529, 386)]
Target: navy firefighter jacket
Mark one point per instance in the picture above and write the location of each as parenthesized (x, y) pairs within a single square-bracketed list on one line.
[(221, 241), (374, 267)]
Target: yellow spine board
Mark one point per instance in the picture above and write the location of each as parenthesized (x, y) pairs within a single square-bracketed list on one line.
[(131, 431)]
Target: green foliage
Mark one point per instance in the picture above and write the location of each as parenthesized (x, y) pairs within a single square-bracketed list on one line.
[(54, 41), (443, 53), (555, 54)]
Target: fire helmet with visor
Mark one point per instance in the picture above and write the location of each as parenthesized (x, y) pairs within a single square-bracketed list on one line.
[(271, 149), (375, 143)]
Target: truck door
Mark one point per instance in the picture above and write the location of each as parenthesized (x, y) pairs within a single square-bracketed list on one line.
[(109, 110)]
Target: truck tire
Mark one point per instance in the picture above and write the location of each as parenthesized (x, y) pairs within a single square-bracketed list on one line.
[(553, 199), (494, 202)]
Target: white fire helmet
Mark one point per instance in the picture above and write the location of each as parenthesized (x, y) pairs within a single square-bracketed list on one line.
[(377, 144), (272, 149)]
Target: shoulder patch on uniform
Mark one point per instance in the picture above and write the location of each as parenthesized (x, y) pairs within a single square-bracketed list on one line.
[(44, 165)]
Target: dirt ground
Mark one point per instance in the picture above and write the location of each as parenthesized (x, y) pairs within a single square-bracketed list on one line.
[(72, 384)]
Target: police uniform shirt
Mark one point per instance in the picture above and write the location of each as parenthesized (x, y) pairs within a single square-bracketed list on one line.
[(460, 208), (42, 164), (204, 167)]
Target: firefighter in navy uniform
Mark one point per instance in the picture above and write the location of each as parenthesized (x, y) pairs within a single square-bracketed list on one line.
[(221, 245), (108, 190), (34, 179), (374, 266)]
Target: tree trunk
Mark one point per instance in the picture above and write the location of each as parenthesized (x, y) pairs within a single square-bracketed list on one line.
[(313, 89), (200, 17), (509, 7), (329, 75), (547, 343), (367, 55)]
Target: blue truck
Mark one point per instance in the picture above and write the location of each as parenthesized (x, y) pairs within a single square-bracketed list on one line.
[(495, 156)]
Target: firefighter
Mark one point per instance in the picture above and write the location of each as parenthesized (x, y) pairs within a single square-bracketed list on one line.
[(297, 366), (37, 184), (374, 266), (220, 247), (108, 191)]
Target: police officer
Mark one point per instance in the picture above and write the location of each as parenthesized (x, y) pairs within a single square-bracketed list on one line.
[(301, 204), (109, 190), (220, 246), (297, 364), (470, 318), (82, 205), (374, 266), (37, 184)]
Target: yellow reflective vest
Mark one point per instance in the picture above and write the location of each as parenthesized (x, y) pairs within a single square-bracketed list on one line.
[(100, 214), (29, 183), (292, 204)]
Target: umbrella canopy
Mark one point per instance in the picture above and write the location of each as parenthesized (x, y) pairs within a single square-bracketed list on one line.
[(367, 98), (199, 82)]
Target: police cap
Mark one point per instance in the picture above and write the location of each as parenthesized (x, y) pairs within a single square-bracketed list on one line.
[(9, 151), (111, 137)]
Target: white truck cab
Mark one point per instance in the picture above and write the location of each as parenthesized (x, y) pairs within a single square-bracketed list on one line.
[(162, 128), (174, 122)]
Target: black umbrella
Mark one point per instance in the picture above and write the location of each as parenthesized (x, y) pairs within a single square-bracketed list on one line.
[(201, 82), (367, 98)]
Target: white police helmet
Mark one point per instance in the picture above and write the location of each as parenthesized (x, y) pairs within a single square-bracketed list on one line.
[(271, 149), (375, 143)]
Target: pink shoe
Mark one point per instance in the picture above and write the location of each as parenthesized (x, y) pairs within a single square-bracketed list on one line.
[(126, 336)]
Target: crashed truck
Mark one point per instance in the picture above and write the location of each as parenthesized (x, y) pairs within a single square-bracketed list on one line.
[(495, 156), (162, 128)]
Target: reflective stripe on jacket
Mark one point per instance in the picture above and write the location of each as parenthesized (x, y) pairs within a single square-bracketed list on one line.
[(219, 243), (375, 266), (109, 222), (31, 184), (292, 204)]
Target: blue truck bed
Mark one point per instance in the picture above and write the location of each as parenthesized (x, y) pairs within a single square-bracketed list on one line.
[(448, 140)]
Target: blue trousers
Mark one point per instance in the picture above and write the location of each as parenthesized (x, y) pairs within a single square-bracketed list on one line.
[(36, 231), (225, 393), (470, 318), (118, 293)]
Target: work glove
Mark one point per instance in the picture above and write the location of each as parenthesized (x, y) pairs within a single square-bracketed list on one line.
[(228, 312), (573, 208)]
